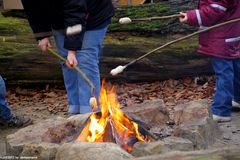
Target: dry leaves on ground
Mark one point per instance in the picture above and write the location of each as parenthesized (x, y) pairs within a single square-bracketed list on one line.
[(54, 100)]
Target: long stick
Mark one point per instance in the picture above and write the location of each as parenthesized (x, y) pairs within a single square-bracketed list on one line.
[(157, 18), (127, 20), (76, 68), (119, 69), (26, 37), (72, 30)]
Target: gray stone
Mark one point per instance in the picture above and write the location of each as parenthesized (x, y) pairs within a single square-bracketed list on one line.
[(91, 151), (193, 110), (201, 132), (143, 149), (50, 131), (3, 151), (227, 153), (30, 135), (168, 144), (178, 143), (45, 151), (78, 120), (161, 131), (152, 113)]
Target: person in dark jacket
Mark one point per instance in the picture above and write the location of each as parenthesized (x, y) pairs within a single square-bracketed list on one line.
[(7, 118), (81, 49), (223, 45)]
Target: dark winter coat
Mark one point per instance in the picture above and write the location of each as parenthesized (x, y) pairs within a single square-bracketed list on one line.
[(223, 42), (45, 15)]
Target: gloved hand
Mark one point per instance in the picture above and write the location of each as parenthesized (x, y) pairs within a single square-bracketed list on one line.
[(44, 44), (71, 59)]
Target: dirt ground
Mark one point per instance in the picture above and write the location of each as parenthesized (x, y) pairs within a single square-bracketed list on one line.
[(51, 101)]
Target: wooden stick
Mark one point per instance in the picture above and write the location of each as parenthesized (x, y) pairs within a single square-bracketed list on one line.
[(77, 69), (184, 38), (69, 31), (28, 36), (157, 18), (3, 38), (7, 38)]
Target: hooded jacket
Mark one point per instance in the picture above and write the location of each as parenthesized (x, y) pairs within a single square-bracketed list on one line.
[(223, 42), (47, 15)]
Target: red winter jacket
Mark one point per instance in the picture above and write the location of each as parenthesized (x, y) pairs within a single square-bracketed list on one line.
[(223, 42)]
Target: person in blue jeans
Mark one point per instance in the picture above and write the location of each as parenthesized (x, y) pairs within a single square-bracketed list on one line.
[(81, 49), (7, 119), (77, 88), (228, 86), (223, 46)]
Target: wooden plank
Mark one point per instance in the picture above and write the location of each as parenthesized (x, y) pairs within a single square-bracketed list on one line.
[(12, 4)]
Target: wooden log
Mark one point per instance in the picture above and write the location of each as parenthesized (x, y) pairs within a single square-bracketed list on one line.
[(166, 64), (37, 68)]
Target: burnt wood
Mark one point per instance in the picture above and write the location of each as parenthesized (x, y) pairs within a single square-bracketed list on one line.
[(109, 135)]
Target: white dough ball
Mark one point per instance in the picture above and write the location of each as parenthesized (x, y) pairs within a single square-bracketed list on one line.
[(117, 70), (92, 101), (125, 20)]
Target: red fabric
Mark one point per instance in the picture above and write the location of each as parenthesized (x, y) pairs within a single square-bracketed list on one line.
[(223, 42)]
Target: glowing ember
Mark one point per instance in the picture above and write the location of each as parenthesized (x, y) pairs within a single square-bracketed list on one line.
[(123, 129)]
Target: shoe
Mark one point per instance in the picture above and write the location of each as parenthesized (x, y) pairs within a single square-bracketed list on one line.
[(221, 118), (16, 121), (235, 104)]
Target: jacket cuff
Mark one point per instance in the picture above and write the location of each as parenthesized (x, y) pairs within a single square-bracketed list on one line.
[(192, 18), (74, 43), (40, 36), (41, 32)]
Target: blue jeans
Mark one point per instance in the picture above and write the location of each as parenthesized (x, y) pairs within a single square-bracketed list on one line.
[(227, 85), (5, 112), (78, 90)]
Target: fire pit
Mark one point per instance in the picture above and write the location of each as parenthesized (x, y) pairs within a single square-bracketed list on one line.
[(142, 129), (112, 125)]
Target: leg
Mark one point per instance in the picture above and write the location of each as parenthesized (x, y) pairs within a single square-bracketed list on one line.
[(70, 78), (236, 82), (88, 61), (7, 119), (5, 112), (224, 87)]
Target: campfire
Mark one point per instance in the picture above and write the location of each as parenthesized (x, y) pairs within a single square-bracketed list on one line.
[(111, 124)]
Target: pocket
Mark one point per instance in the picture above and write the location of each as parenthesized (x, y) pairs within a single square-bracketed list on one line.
[(233, 46)]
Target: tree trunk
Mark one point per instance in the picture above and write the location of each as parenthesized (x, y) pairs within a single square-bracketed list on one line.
[(161, 65), (45, 68)]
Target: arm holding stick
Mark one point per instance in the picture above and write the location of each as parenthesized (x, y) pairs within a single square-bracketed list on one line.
[(120, 69), (92, 100)]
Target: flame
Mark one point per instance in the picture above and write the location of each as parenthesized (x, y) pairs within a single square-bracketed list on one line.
[(122, 127)]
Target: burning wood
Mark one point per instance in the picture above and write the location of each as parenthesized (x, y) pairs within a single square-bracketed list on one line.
[(110, 124)]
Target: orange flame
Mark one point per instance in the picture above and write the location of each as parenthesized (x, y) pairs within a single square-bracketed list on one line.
[(123, 128)]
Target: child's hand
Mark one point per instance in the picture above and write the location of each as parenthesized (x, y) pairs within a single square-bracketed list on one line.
[(183, 18), (71, 59)]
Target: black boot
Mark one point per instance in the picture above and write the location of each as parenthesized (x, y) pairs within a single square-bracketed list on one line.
[(16, 121)]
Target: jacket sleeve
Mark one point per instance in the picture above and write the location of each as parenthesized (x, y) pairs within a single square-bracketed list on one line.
[(37, 14), (75, 12), (209, 14)]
